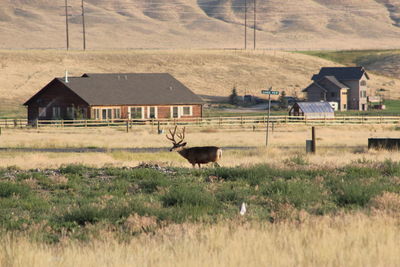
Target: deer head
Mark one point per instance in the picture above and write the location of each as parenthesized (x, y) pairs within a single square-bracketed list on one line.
[(177, 145)]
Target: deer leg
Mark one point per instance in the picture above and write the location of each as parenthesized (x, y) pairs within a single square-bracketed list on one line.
[(194, 165), (199, 165)]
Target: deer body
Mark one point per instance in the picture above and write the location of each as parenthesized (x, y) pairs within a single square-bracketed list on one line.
[(201, 155), (195, 155)]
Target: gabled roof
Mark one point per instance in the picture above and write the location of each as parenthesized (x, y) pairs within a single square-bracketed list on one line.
[(334, 81), (315, 107), (341, 73), (130, 89), (316, 84)]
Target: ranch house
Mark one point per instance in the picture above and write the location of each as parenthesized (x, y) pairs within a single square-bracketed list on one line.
[(346, 86), (114, 96)]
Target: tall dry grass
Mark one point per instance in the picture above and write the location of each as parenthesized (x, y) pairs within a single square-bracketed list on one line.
[(343, 240)]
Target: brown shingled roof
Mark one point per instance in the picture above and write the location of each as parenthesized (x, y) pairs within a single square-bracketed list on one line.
[(131, 89)]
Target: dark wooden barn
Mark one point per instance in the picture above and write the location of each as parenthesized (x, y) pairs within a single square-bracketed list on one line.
[(114, 96)]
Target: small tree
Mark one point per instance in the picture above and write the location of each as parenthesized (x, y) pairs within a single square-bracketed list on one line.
[(283, 102), (233, 98)]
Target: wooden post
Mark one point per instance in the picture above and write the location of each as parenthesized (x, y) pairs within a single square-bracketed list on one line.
[(127, 126), (273, 127), (158, 127), (314, 146), (0, 130)]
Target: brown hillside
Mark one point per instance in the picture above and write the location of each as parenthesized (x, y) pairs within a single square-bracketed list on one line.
[(287, 24), (210, 73)]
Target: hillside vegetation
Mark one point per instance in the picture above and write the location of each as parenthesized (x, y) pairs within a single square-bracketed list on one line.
[(383, 62), (309, 24), (207, 73)]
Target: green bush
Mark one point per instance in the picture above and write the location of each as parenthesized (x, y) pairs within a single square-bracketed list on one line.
[(302, 194), (8, 189), (189, 196), (74, 169)]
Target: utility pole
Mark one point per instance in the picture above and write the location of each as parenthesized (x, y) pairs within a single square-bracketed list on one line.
[(66, 23), (83, 27), (269, 114), (245, 24), (255, 24)]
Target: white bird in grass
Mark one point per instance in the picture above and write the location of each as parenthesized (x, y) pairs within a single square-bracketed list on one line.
[(243, 209)]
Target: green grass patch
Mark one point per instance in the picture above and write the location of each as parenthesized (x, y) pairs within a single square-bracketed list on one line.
[(79, 201)]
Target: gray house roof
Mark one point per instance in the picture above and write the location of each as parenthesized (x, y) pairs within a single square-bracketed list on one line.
[(130, 89), (335, 82), (315, 107), (341, 73)]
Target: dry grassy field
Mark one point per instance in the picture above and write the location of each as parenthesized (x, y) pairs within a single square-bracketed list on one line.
[(337, 145), (339, 207), (344, 240)]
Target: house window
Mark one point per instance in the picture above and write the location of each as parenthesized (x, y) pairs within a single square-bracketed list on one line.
[(363, 93), (187, 111), (344, 93), (344, 106), (152, 112), (96, 114), (174, 112), (117, 113), (42, 112), (56, 112), (333, 94), (136, 112), (71, 113), (322, 96), (363, 83)]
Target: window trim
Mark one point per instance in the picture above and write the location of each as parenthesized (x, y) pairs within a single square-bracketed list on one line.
[(190, 111), (155, 112), (98, 113), (56, 112), (42, 112), (130, 113), (172, 112)]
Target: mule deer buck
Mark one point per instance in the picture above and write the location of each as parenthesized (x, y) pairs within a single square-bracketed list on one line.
[(195, 155)]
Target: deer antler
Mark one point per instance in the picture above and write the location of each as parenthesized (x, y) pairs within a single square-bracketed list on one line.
[(172, 138), (181, 136)]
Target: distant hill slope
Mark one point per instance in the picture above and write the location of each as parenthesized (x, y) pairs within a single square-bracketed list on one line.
[(286, 24), (208, 73)]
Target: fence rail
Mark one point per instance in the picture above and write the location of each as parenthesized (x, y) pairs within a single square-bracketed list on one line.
[(224, 122)]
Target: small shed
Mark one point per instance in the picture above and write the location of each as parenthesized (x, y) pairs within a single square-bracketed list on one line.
[(313, 110)]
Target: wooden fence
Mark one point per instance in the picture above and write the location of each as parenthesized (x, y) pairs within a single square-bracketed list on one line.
[(222, 122)]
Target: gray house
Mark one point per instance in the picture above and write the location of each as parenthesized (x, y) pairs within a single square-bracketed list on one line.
[(346, 86)]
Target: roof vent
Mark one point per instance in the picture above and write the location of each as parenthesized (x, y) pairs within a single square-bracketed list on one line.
[(126, 77), (66, 76)]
